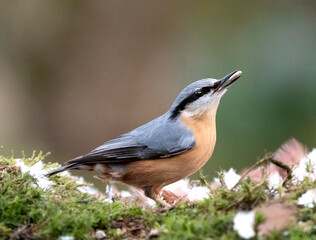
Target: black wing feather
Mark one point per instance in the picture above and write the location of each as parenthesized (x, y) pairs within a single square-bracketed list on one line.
[(121, 155)]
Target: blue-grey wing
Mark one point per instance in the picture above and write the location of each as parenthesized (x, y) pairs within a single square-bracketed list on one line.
[(157, 139)]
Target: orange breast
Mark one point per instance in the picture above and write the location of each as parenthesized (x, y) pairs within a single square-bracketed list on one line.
[(161, 172), (204, 129)]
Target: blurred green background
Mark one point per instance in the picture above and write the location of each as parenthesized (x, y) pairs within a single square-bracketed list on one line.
[(74, 74)]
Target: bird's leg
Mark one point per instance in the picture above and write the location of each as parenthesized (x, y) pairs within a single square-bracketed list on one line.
[(154, 193)]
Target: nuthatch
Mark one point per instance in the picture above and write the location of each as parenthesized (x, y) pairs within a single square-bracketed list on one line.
[(165, 150)]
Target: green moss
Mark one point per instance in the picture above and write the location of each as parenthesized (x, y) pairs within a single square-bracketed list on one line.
[(28, 211), (23, 203)]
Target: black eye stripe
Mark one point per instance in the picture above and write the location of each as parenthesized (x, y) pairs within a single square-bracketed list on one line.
[(193, 97)]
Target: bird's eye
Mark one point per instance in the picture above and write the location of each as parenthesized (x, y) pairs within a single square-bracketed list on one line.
[(198, 93)]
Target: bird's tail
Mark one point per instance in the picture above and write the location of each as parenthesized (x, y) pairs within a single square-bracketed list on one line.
[(61, 169)]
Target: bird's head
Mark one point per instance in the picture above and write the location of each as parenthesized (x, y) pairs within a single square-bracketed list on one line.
[(202, 96)]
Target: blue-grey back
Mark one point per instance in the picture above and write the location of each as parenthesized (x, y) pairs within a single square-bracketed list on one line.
[(160, 135)]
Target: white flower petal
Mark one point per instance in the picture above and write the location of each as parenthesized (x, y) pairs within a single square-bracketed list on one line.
[(301, 170), (151, 202), (308, 199), (244, 224), (126, 194), (312, 155), (66, 238), (275, 180), (198, 193), (19, 163), (231, 178), (180, 188), (37, 172)]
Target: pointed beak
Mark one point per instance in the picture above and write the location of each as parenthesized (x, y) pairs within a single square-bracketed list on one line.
[(228, 80)]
